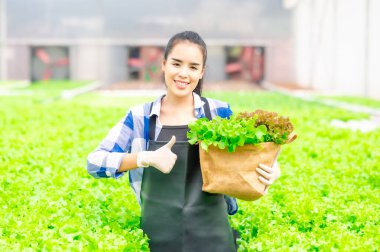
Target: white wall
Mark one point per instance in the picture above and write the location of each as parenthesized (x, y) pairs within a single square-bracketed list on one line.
[(374, 49), (278, 57), (302, 33), (350, 47), (216, 59), (85, 62), (107, 64), (18, 62), (334, 50)]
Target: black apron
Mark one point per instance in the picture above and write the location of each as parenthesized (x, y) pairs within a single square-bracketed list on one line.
[(176, 214)]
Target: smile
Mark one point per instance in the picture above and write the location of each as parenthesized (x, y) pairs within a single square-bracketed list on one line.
[(181, 84)]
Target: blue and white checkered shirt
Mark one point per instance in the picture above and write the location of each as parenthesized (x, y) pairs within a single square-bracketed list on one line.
[(131, 134)]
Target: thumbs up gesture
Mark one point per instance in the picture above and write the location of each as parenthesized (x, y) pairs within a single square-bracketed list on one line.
[(162, 159)]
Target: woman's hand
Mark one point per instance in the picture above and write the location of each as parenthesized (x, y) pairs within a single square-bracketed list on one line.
[(268, 174), (162, 159)]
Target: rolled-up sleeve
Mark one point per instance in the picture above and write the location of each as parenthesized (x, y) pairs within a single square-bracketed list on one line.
[(105, 160), (232, 206)]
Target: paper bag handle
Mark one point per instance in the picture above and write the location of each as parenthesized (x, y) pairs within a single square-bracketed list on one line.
[(292, 136)]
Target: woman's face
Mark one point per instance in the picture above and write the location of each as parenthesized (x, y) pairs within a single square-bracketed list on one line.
[(183, 68)]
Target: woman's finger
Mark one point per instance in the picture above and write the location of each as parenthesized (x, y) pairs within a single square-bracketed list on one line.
[(266, 168), (265, 181), (265, 174)]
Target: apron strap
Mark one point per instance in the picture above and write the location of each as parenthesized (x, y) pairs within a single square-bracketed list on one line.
[(152, 120), (152, 124), (206, 108)]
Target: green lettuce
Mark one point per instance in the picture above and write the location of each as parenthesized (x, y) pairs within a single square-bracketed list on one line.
[(244, 128)]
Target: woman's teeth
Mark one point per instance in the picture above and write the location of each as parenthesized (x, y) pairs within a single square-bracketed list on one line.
[(181, 84)]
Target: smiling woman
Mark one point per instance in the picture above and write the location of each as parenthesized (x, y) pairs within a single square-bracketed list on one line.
[(164, 170), (183, 69), (187, 51)]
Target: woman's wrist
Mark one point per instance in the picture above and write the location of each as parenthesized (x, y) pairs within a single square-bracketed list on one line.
[(142, 159), (128, 162)]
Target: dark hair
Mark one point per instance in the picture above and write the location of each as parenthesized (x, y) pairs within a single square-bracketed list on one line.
[(192, 37)]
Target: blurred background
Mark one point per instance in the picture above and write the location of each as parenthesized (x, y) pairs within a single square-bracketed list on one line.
[(326, 45)]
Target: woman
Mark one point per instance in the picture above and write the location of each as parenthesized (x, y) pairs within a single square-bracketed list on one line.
[(164, 171)]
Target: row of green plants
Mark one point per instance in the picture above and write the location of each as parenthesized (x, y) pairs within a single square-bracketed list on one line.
[(326, 198), (42, 91), (357, 100)]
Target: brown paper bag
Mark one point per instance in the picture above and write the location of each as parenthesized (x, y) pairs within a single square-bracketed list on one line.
[(235, 174)]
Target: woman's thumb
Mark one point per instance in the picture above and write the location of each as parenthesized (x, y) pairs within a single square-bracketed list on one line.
[(171, 143)]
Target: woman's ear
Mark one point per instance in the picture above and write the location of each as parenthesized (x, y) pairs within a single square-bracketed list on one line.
[(203, 72), (163, 65)]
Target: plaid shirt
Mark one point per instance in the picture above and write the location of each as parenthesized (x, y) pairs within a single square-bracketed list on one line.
[(131, 134)]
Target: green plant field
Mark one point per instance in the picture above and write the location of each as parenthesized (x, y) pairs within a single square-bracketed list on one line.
[(43, 91), (13, 84), (10, 82), (361, 101), (327, 198)]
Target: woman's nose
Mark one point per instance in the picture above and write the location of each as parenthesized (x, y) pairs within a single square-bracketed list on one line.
[(183, 72)]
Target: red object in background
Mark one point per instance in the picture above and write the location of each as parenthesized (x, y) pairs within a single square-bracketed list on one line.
[(135, 62), (49, 63), (257, 69), (43, 56), (145, 62), (235, 67), (245, 63)]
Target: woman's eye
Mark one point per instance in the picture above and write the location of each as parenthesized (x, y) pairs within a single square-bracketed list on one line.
[(175, 64), (194, 68)]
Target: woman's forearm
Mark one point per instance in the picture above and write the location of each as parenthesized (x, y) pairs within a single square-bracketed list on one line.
[(128, 162)]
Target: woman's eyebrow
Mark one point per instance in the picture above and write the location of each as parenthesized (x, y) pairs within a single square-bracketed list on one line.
[(180, 61)]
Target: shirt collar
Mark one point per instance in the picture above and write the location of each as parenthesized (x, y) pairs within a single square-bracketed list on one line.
[(198, 104), (156, 106)]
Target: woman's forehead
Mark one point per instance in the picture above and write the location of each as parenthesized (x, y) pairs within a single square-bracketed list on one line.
[(188, 51)]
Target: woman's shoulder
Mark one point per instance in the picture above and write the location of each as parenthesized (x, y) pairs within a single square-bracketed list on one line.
[(219, 108), (217, 103), (141, 110)]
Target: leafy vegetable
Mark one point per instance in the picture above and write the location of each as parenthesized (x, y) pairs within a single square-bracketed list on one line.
[(279, 127), (244, 128)]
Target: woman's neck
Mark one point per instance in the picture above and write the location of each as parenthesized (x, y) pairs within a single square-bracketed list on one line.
[(175, 101), (176, 111)]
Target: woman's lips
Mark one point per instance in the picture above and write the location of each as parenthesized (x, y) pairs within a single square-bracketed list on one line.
[(181, 84)]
